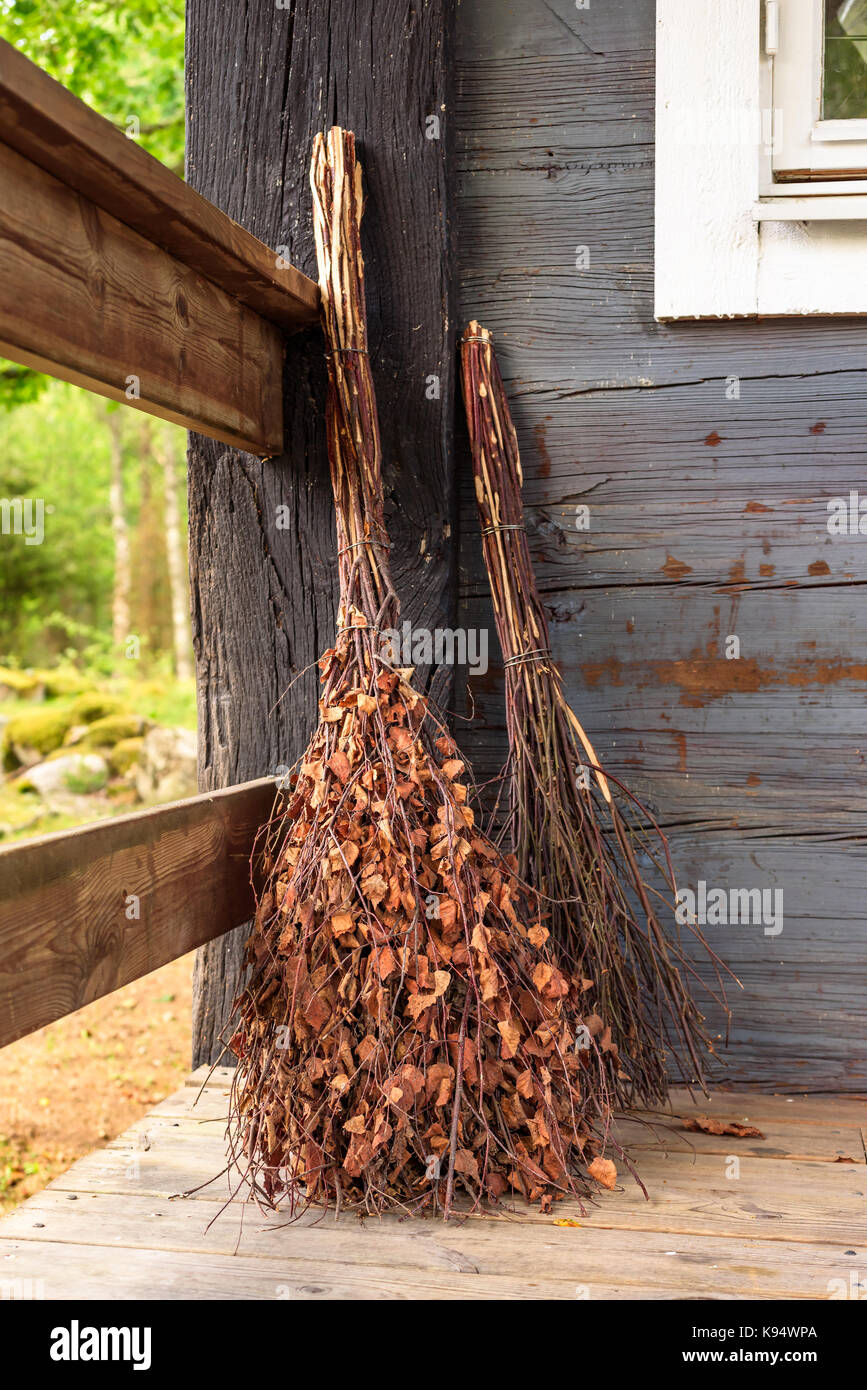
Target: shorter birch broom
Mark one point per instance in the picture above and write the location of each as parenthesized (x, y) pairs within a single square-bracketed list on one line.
[(575, 845), (406, 1032)]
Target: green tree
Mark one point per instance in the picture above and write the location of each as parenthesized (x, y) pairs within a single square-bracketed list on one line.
[(54, 450), (126, 60), (56, 597)]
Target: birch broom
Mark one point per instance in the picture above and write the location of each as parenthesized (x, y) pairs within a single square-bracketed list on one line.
[(574, 843), (406, 1033)]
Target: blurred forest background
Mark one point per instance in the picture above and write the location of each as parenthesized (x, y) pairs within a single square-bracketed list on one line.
[(97, 701), (94, 620)]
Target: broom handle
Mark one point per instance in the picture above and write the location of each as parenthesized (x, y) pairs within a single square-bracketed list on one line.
[(355, 450), (520, 617)]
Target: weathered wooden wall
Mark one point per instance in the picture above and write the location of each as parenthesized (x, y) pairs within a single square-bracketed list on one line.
[(708, 513), (708, 518), (261, 80)]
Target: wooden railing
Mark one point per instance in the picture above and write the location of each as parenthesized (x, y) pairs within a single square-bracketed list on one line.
[(117, 276), (85, 911)]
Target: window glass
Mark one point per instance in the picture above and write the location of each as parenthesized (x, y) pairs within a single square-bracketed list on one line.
[(844, 78)]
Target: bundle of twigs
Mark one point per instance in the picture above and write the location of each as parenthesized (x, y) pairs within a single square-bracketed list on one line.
[(406, 1029), (574, 844)]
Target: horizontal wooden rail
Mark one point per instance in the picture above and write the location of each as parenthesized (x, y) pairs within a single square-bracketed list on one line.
[(85, 911), (85, 298), (116, 275)]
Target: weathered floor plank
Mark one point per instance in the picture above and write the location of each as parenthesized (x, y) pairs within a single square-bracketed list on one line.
[(768, 1199), (95, 1272), (491, 1252), (117, 1225)]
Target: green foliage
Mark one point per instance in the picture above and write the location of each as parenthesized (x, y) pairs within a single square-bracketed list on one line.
[(19, 385), (124, 60), (53, 451), (55, 598), (62, 681), (84, 782), (169, 701)]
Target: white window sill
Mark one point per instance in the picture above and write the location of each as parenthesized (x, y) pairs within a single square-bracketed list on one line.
[(849, 208)]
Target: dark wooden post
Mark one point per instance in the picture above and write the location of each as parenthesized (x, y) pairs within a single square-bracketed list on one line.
[(261, 80)]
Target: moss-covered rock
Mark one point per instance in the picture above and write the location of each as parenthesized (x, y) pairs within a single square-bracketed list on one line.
[(17, 812), (124, 755), (114, 728), (29, 737), (93, 705), (64, 681), (75, 733), (21, 685)]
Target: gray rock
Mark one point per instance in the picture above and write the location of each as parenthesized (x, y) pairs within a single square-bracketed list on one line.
[(167, 765), (51, 777)]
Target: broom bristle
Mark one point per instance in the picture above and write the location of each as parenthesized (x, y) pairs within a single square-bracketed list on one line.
[(406, 1030), (577, 847)]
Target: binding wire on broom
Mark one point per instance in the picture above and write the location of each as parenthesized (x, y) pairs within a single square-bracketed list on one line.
[(579, 836), (406, 1033)]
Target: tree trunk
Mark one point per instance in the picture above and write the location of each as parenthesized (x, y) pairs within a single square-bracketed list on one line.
[(261, 81), (182, 648), (120, 531)]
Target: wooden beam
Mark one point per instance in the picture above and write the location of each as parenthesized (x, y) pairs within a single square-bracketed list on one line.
[(49, 126), (263, 80), (85, 298), (68, 929), (117, 276)]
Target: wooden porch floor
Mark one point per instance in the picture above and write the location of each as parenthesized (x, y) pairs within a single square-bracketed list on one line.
[(794, 1220)]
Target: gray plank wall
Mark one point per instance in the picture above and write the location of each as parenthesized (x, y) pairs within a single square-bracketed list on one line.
[(708, 518)]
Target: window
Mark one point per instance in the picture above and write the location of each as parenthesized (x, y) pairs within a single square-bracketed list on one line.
[(761, 157), (818, 56)]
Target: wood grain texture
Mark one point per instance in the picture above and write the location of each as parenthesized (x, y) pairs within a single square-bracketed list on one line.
[(771, 1228), (708, 518), (181, 1148), (70, 1271), (833, 1143), (52, 128), (481, 1258), (85, 298), (260, 82), (71, 929)]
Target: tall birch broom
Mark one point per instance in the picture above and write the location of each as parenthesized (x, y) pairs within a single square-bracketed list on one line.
[(406, 1031), (574, 843)]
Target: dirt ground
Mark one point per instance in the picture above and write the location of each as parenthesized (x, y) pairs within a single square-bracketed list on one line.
[(70, 1087)]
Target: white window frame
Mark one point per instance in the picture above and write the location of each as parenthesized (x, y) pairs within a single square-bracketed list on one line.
[(729, 242)]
